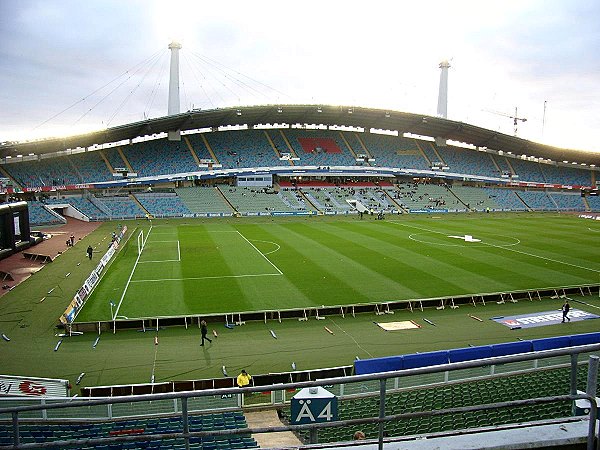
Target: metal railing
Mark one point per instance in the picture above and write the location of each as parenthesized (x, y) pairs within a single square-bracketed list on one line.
[(184, 397)]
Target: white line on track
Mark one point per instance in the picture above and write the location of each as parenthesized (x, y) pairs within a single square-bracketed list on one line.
[(508, 249), (352, 337)]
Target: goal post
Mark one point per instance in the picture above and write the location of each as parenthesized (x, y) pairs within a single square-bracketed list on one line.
[(140, 242)]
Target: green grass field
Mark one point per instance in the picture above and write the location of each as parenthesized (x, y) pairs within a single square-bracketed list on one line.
[(322, 261), (212, 268)]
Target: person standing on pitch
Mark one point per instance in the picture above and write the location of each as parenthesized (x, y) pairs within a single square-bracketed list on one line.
[(90, 251), (204, 332), (565, 310)]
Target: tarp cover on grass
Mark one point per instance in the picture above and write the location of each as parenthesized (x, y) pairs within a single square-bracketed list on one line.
[(395, 326)]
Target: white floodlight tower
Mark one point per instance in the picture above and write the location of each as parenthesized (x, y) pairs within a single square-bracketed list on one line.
[(442, 109), (173, 108)]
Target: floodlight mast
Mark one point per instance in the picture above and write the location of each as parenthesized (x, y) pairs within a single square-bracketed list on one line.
[(173, 107), (442, 108)]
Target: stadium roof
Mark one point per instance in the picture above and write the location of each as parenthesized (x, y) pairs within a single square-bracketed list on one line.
[(352, 116)]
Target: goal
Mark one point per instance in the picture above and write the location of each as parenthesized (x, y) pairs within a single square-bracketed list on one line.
[(140, 242)]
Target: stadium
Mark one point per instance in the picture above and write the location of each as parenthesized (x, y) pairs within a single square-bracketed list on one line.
[(405, 274)]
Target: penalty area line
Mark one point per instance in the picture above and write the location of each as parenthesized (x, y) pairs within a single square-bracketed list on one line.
[(131, 276), (210, 278), (260, 253)]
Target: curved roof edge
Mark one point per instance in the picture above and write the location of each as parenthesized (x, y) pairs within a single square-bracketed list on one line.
[(351, 116)]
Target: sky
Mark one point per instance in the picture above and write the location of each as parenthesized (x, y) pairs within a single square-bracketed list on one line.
[(68, 67)]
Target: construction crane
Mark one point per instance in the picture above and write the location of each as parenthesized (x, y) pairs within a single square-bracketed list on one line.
[(515, 118)]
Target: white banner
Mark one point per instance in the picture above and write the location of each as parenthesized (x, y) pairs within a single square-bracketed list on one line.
[(11, 386)]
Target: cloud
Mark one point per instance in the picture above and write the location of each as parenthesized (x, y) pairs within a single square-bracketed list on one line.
[(381, 54)]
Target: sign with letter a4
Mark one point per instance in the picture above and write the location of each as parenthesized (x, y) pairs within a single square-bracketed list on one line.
[(314, 405)]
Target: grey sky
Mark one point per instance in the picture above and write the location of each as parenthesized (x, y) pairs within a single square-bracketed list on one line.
[(505, 54)]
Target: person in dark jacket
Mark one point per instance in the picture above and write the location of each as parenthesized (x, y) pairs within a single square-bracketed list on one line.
[(565, 310), (204, 332)]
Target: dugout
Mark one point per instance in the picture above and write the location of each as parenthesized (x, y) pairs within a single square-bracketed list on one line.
[(15, 233)]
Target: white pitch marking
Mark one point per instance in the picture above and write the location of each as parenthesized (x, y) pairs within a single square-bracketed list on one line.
[(211, 278), (159, 261), (260, 253), (131, 275), (509, 249), (269, 242), (466, 238)]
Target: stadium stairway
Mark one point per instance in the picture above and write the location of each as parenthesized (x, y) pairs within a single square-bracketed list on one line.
[(191, 149), (269, 418), (135, 200), (307, 199), (363, 146), (274, 147), (523, 201), (106, 161), (226, 200), (393, 201)]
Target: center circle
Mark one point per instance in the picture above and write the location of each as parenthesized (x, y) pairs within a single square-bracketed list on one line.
[(496, 240)]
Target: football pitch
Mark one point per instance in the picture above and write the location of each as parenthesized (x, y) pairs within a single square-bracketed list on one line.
[(207, 267)]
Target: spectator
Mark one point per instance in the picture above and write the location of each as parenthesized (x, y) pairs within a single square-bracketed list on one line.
[(359, 436)]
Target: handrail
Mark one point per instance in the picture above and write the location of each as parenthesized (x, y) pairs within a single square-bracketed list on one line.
[(326, 381), (14, 411)]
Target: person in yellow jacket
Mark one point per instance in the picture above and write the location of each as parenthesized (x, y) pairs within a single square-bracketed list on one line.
[(243, 379)]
